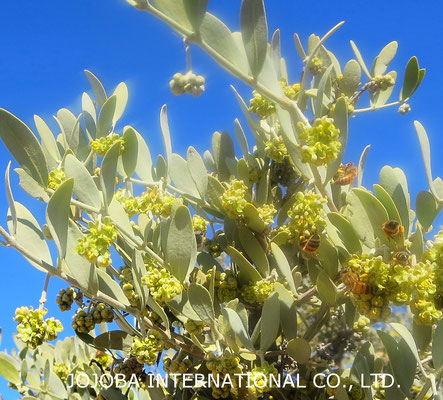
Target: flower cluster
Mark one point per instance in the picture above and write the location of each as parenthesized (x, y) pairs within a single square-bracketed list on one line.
[(127, 284), (194, 327), (56, 178), (104, 359), (227, 364), (226, 285), (261, 378), (33, 329), (306, 215), (381, 82), (404, 108), (163, 287), (319, 144), (189, 83), (95, 245), (276, 149), (65, 298), (213, 247), (85, 318), (257, 292), (265, 108), (267, 213), (349, 105), (146, 349), (62, 371), (316, 66), (103, 144), (233, 199), (199, 224), (128, 367), (177, 367)]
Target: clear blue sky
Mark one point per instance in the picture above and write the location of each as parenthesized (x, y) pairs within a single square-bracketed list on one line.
[(47, 44)]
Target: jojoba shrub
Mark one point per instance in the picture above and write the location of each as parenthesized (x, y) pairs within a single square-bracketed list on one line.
[(273, 265)]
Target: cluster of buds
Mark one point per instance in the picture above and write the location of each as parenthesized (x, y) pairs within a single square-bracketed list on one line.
[(176, 366), (104, 359), (199, 224), (103, 144), (226, 285), (283, 173), (257, 292), (352, 388), (306, 216), (194, 327), (349, 105), (129, 203), (33, 329), (56, 178), (227, 364), (65, 298), (265, 108), (127, 284), (189, 83), (62, 371), (316, 66), (146, 349), (163, 287), (233, 199), (404, 109), (213, 247), (95, 245), (276, 149), (85, 318), (362, 324), (267, 213), (128, 367), (380, 83), (261, 378), (319, 144)]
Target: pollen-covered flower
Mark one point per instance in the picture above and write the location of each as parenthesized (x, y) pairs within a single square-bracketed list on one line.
[(199, 223), (316, 66), (163, 287), (267, 213), (257, 292), (307, 216), (233, 199), (33, 329), (276, 149), (226, 285), (157, 201), (227, 364), (103, 144), (146, 349), (260, 376), (381, 82), (319, 144), (194, 327), (56, 178)]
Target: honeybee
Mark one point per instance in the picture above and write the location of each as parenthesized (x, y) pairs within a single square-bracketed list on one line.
[(346, 174), (401, 257), (393, 228), (310, 244), (354, 284), (199, 238)]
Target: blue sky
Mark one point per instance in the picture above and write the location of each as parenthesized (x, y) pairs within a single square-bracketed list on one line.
[(46, 45)]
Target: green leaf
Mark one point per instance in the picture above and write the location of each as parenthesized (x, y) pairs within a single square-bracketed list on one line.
[(426, 154), (138, 271), (49, 145), (326, 288), (341, 122), (360, 60), (215, 191), (437, 345), (276, 52), (131, 152), (181, 247), (115, 340), (328, 257), (422, 335), (97, 87), (110, 287), (427, 209), (241, 137), (197, 170), (361, 165), (164, 125), (24, 146), (246, 272), (84, 187), (180, 175), (9, 368), (349, 236), (30, 236), (395, 183), (254, 250), (223, 150), (401, 359), (351, 78), (201, 302), (121, 94), (300, 350), (407, 337), (10, 199), (382, 61), (144, 168), (238, 327), (30, 186), (254, 30), (89, 115), (363, 367), (57, 215), (318, 103), (253, 219), (417, 242), (106, 117), (283, 267), (107, 172), (195, 11), (411, 79), (388, 203), (288, 311), (270, 321)]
